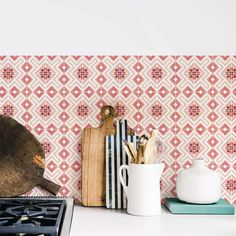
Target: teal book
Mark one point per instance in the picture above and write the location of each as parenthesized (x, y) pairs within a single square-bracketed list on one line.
[(176, 206)]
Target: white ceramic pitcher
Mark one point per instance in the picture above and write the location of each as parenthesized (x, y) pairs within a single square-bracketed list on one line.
[(143, 190)]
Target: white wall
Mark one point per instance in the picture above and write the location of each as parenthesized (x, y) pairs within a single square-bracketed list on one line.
[(117, 27)]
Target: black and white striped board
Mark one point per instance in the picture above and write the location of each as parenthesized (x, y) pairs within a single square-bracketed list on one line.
[(115, 157)]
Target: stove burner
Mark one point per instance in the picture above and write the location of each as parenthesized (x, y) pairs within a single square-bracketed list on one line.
[(31, 216)]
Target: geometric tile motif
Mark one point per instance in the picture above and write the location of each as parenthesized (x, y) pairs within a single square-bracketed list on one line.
[(191, 100)]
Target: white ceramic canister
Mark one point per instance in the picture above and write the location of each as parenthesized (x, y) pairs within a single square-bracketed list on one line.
[(143, 190), (198, 184)]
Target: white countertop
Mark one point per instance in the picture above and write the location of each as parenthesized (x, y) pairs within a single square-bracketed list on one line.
[(101, 221)]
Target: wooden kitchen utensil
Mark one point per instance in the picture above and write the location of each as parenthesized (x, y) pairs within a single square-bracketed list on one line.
[(22, 160), (131, 150), (150, 152), (93, 159)]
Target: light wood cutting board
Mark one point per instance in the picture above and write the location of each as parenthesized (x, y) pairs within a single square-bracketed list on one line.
[(93, 159)]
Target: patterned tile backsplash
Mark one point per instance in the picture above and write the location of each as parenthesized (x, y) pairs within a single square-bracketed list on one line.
[(191, 100)]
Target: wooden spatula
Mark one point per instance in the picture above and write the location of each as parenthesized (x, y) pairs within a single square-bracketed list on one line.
[(150, 152)]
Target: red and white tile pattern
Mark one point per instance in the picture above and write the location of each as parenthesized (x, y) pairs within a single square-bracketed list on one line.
[(191, 100)]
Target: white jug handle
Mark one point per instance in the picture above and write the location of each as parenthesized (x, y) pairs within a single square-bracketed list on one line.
[(121, 177)]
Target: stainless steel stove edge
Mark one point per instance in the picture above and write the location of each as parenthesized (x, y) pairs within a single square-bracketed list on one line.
[(66, 226)]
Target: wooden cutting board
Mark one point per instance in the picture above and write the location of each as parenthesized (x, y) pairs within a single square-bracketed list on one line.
[(115, 157), (22, 160), (93, 159)]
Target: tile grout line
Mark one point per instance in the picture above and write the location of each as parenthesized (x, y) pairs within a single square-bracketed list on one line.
[(231, 127), (175, 123)]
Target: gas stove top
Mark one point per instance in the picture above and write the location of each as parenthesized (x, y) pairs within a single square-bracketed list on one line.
[(44, 216)]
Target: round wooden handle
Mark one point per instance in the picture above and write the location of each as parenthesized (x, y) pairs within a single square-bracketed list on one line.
[(107, 112), (48, 185)]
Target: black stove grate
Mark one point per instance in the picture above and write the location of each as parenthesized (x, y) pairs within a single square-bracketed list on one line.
[(31, 216)]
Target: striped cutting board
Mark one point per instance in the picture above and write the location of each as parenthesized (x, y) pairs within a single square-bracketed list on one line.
[(115, 157)]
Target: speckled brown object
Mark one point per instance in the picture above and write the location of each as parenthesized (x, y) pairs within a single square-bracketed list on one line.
[(20, 152)]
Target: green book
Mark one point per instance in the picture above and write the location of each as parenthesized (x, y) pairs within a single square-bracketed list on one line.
[(175, 206)]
